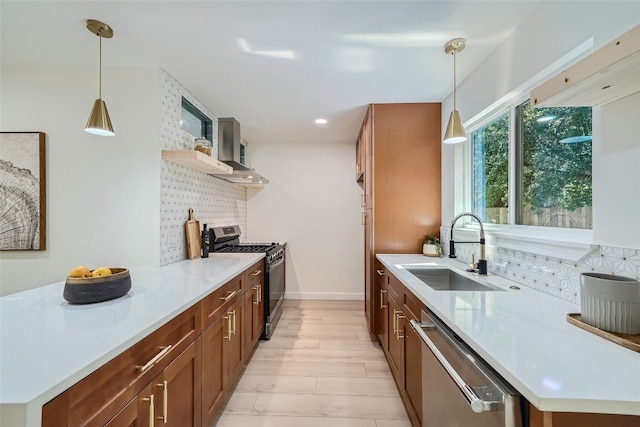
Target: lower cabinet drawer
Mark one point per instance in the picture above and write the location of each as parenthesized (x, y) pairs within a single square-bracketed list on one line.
[(212, 305), (94, 400)]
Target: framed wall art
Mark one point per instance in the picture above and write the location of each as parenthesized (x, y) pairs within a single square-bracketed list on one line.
[(22, 191)]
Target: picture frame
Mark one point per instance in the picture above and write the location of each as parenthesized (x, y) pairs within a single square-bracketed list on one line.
[(22, 191)]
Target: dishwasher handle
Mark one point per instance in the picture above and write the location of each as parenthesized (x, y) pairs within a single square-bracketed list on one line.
[(477, 405)]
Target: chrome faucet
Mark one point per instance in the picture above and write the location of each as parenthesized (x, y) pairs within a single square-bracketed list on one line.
[(482, 262)]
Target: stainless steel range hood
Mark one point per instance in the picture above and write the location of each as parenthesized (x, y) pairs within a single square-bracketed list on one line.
[(233, 151)]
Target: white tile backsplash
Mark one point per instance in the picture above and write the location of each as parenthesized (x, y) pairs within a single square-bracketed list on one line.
[(554, 276), (215, 202)]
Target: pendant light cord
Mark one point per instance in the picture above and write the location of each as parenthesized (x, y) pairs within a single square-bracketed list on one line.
[(100, 70), (454, 78)]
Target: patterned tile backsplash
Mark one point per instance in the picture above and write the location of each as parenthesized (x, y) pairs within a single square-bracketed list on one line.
[(555, 276), (215, 202)]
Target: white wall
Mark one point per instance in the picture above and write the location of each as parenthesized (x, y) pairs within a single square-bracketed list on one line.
[(102, 193), (553, 30), (312, 202)]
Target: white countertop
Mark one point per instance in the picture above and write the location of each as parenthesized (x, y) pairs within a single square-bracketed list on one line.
[(47, 344), (524, 335)]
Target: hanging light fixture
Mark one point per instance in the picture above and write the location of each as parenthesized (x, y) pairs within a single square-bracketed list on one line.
[(455, 132), (99, 122)]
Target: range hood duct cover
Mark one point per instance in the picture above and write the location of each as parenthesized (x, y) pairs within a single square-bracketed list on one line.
[(229, 144)]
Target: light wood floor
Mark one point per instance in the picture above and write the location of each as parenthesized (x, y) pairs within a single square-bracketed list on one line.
[(319, 369)]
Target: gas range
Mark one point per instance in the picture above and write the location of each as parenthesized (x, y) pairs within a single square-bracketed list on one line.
[(227, 240)]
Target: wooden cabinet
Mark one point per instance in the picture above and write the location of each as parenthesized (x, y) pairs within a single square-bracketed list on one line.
[(401, 146), (94, 400), (180, 387), (171, 399), (396, 343), (383, 306), (222, 347), (213, 369), (253, 307), (181, 374), (402, 346)]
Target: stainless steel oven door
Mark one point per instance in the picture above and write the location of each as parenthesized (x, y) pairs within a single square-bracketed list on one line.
[(274, 288), (459, 389)]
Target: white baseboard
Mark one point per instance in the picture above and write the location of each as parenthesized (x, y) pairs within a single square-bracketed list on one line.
[(325, 296)]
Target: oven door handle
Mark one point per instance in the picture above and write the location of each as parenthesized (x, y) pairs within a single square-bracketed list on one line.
[(477, 405), (275, 264)]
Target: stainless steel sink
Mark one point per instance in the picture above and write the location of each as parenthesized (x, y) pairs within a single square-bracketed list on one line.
[(441, 279)]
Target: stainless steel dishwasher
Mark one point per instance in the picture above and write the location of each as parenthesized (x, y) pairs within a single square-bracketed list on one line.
[(459, 389)]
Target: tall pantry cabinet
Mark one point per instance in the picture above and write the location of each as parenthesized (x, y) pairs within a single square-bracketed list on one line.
[(398, 157)]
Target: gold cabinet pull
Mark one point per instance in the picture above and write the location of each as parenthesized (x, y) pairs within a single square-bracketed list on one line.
[(165, 399), (260, 293), (395, 321), (228, 319), (257, 289), (380, 272), (398, 332), (382, 292), (154, 359), (229, 295), (152, 409), (256, 273), (233, 313)]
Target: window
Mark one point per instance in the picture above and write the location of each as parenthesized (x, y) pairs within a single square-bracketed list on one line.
[(490, 174), (554, 166), (195, 122), (551, 171)]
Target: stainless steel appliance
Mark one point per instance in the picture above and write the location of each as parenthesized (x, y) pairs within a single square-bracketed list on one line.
[(459, 389), (227, 239)]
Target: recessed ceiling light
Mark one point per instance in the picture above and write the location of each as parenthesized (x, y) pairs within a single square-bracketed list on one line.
[(321, 121)]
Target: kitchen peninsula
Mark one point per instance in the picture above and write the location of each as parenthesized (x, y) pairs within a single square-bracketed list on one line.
[(48, 345)]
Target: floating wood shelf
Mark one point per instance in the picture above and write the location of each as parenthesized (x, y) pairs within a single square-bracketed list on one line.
[(610, 73), (196, 160)]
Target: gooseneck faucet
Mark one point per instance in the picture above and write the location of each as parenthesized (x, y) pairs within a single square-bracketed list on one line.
[(482, 262)]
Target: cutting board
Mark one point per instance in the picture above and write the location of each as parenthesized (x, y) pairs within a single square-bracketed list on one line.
[(192, 228)]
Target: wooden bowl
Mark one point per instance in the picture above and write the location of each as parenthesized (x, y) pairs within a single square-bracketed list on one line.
[(89, 290)]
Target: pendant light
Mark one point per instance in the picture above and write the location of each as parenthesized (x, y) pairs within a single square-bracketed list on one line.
[(455, 132), (99, 122)]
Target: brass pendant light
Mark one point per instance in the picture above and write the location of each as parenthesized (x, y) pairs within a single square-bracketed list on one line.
[(99, 122), (455, 131)]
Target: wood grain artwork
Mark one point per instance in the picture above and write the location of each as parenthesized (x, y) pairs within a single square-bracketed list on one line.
[(22, 191)]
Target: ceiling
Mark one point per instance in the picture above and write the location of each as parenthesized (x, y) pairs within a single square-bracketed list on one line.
[(273, 65)]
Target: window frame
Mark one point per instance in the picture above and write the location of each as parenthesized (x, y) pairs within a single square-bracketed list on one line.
[(567, 243), (206, 124)]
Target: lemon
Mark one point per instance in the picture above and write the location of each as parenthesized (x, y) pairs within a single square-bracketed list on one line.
[(101, 271), (80, 271)]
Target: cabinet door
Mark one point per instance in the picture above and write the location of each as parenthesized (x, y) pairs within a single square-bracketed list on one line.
[(138, 412), (369, 280), (253, 324), (258, 313), (213, 368), (180, 388), (413, 372), (383, 316), (234, 346), (396, 341)]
